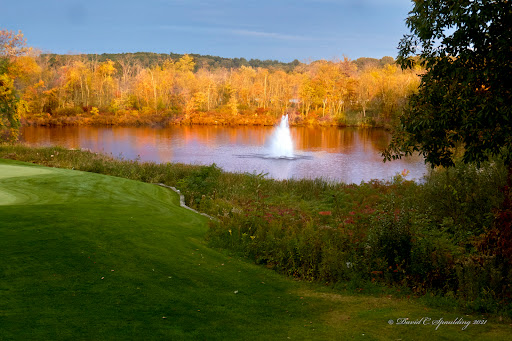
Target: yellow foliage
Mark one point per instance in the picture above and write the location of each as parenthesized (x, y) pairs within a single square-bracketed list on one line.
[(185, 64), (107, 68), (23, 67)]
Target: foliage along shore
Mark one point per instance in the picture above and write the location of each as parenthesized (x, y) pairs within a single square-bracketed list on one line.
[(438, 239), (185, 89), (212, 118)]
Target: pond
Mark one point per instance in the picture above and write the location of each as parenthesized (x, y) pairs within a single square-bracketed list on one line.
[(349, 155)]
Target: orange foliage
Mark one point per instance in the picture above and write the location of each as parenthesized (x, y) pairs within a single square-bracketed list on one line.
[(322, 92)]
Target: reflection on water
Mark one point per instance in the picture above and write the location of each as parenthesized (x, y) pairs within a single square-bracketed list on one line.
[(342, 154)]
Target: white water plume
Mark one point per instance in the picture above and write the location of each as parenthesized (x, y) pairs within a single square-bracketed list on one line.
[(281, 144)]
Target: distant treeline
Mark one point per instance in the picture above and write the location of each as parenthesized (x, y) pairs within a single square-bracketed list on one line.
[(150, 59)]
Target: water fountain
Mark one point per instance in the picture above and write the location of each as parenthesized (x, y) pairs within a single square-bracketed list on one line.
[(281, 144)]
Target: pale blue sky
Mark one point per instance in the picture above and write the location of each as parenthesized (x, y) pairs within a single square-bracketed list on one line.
[(279, 29)]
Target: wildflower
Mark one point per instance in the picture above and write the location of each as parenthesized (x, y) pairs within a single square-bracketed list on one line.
[(229, 232), (325, 213), (405, 172)]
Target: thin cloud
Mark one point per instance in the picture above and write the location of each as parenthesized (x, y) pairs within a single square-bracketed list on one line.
[(268, 35), (235, 31)]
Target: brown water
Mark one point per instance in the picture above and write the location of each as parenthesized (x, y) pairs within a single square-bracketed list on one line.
[(349, 155)]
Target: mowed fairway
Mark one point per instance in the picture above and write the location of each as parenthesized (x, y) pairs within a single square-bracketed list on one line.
[(93, 257)]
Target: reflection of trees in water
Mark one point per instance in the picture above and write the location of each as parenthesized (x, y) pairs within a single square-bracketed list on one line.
[(304, 138), (377, 138), (68, 137), (212, 136), (327, 139), (342, 140)]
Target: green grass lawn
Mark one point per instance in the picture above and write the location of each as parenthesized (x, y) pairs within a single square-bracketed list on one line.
[(93, 257)]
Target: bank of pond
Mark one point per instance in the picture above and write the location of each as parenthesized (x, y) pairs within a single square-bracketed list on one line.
[(445, 239), (129, 118)]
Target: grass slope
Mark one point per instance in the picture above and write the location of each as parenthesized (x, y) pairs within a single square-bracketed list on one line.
[(94, 257)]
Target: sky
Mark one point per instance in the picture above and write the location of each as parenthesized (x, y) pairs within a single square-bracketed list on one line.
[(281, 30)]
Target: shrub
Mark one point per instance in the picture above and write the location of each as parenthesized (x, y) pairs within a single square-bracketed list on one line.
[(66, 112), (200, 182), (461, 199)]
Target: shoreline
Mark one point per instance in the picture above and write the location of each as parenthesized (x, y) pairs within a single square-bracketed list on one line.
[(205, 119)]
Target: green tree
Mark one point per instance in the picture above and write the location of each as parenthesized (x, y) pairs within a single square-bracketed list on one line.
[(464, 98), (11, 46)]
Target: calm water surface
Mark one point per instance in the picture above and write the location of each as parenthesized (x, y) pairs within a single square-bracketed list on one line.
[(349, 155)]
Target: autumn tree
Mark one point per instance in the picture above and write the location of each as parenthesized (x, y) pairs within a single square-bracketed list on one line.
[(12, 46), (168, 82), (76, 83), (104, 82), (393, 88), (185, 82), (144, 89), (306, 95), (124, 95), (206, 85), (243, 80), (281, 91), (367, 88)]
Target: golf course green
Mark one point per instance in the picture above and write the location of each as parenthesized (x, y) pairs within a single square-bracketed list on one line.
[(94, 257)]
